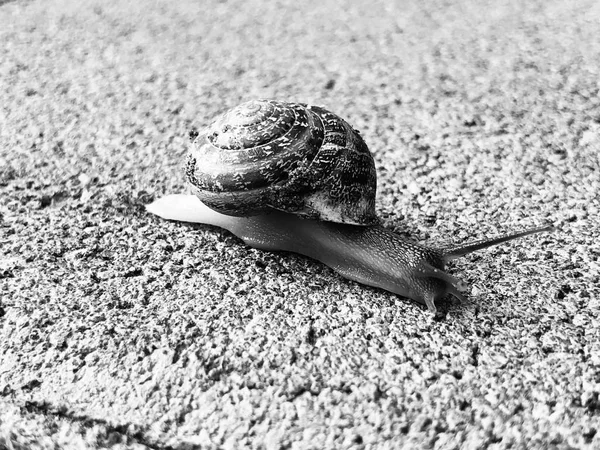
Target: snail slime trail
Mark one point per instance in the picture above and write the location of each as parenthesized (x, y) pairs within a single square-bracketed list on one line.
[(298, 178)]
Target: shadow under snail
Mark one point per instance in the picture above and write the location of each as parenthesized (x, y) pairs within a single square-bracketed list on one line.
[(293, 177)]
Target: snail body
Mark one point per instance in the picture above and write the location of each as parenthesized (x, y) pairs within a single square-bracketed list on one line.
[(284, 205)]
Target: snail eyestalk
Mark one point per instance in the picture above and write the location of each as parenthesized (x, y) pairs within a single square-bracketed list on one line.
[(485, 243)]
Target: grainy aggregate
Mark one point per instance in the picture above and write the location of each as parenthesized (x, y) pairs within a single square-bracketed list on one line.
[(121, 330)]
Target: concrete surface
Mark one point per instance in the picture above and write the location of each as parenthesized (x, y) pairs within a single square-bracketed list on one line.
[(122, 330)]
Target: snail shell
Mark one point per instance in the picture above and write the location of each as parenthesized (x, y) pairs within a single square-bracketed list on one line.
[(266, 155)]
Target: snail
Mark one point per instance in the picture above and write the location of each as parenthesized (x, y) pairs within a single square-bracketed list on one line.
[(298, 178)]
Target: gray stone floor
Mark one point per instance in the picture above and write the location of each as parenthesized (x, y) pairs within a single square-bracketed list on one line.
[(120, 329)]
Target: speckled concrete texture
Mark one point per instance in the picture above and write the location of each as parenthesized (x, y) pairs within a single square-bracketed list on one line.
[(122, 330)]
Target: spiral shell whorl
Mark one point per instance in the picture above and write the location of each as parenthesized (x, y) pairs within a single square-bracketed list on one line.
[(265, 155)]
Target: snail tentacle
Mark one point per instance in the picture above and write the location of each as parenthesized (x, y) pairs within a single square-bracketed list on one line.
[(462, 250)]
